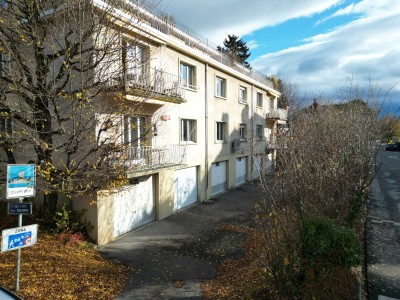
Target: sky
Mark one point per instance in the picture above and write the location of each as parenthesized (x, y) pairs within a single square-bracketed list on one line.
[(324, 47)]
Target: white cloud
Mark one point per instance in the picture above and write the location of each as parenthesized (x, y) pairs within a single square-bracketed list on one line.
[(253, 44), (366, 49), (216, 19)]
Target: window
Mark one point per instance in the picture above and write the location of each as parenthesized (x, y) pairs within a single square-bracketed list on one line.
[(5, 123), (242, 132), (220, 87), (220, 131), (134, 63), (259, 99), (242, 94), (5, 64), (188, 130), (188, 76), (259, 132), (135, 130)]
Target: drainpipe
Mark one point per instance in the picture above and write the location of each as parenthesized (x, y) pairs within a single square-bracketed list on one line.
[(253, 134), (206, 128)]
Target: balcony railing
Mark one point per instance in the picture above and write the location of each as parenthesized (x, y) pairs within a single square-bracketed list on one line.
[(142, 80), (149, 157), (155, 81), (277, 114)]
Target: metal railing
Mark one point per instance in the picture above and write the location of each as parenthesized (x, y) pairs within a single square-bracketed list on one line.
[(144, 78), (153, 80), (171, 27), (149, 157), (277, 114)]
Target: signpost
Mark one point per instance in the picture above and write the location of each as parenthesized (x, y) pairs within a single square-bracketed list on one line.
[(21, 183)]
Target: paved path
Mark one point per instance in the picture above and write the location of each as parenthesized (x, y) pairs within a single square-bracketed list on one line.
[(383, 230), (170, 258)]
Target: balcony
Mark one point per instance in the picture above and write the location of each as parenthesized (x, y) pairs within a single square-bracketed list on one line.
[(148, 157), (277, 114), (150, 83)]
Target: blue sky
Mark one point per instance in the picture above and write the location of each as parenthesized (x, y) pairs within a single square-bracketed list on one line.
[(324, 47)]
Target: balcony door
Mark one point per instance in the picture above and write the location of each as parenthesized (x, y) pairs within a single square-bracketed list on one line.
[(134, 64), (135, 131)]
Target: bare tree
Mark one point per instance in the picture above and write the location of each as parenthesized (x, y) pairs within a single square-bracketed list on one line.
[(324, 166), (62, 84)]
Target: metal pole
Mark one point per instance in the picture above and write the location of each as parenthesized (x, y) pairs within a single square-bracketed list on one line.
[(19, 251)]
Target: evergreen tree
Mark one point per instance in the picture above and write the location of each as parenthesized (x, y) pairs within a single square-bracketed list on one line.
[(237, 49)]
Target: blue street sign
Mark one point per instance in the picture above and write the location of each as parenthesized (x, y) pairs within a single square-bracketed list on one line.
[(16, 208), (19, 237)]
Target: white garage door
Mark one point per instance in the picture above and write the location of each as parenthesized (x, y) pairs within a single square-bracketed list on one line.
[(134, 206), (218, 178), (257, 166), (241, 170), (185, 187)]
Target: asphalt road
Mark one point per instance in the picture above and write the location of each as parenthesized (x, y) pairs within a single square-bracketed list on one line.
[(383, 229)]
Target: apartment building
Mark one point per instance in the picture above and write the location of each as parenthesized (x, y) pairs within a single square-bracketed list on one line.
[(202, 124)]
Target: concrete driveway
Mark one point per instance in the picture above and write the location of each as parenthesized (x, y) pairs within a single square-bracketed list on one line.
[(169, 259)]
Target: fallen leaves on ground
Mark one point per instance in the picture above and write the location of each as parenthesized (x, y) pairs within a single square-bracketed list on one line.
[(53, 269), (244, 278)]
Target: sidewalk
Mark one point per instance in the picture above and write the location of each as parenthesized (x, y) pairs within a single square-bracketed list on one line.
[(169, 259)]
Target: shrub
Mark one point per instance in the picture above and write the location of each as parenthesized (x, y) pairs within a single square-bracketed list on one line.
[(324, 241)]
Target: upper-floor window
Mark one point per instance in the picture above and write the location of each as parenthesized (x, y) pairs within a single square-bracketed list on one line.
[(220, 131), (188, 130), (134, 62), (259, 132), (5, 64), (220, 87), (242, 94), (242, 132), (188, 76), (259, 99)]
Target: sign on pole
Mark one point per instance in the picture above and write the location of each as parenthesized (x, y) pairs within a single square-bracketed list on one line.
[(21, 181), (16, 208), (19, 237)]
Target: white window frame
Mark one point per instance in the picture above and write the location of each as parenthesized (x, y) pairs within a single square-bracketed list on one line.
[(242, 132), (242, 94), (134, 130), (188, 76), (220, 132), (188, 131), (220, 87), (134, 62), (259, 99)]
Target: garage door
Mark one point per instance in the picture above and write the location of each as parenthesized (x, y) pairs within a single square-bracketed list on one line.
[(134, 206), (241, 170), (257, 166), (218, 178), (185, 187)]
